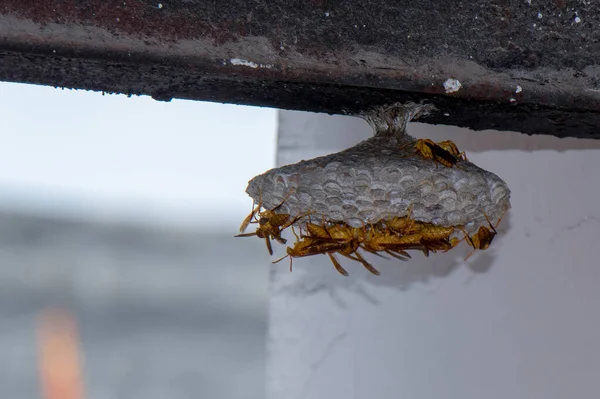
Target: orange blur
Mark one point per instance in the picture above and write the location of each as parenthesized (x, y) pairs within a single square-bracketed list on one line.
[(59, 355)]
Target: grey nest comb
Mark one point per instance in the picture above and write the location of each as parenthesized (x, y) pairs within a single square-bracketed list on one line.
[(381, 178)]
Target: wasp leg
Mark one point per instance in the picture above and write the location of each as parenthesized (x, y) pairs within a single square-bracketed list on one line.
[(246, 235), (280, 239), (337, 265), (366, 264), (268, 242), (404, 256)]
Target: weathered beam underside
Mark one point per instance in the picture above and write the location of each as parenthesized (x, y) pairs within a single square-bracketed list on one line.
[(523, 67)]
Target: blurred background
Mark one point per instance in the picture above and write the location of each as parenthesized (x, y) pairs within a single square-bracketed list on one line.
[(119, 273)]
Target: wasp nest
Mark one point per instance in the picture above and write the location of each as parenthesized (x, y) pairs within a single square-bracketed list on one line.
[(388, 194)]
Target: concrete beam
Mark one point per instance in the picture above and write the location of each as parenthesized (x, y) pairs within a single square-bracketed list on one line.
[(523, 67)]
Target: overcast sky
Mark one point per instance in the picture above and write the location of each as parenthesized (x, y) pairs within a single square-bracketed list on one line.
[(84, 154)]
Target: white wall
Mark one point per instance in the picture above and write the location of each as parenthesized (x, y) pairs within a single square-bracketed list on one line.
[(521, 320)]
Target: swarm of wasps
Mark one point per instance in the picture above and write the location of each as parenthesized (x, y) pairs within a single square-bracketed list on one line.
[(391, 237)]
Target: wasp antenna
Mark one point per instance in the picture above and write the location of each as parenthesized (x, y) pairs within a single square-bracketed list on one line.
[(280, 259), (467, 237), (285, 198), (500, 219), (406, 145), (490, 223), (295, 235), (469, 255), (409, 209)]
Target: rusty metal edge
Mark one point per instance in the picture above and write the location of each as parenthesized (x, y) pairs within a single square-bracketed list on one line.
[(246, 73)]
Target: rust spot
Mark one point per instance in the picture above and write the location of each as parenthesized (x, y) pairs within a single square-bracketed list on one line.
[(434, 89), (132, 17), (485, 91)]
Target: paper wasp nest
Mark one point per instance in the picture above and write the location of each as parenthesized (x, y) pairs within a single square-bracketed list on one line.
[(387, 195), (381, 178)]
